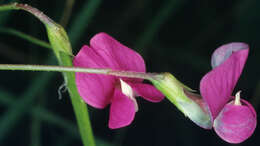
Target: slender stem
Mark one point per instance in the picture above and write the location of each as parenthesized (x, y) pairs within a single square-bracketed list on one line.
[(25, 37), (16, 6), (60, 43), (62, 49), (67, 12), (129, 74), (150, 31), (84, 17), (36, 132), (16, 111), (80, 108), (7, 99), (4, 17)]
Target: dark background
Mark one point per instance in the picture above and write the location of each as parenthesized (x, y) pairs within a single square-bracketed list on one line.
[(176, 36)]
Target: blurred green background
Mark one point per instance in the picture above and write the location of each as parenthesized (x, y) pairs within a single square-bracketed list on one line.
[(176, 36)]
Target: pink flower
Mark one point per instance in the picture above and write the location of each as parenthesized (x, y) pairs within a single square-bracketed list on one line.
[(233, 122), (101, 90)]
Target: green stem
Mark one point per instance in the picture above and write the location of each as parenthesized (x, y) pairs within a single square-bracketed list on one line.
[(154, 26), (67, 12), (25, 37), (5, 16), (36, 132), (60, 43), (62, 49), (7, 99), (16, 6), (79, 106), (83, 18), (21, 106), (130, 74)]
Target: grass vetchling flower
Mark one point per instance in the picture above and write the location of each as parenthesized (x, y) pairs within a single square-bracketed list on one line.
[(102, 90), (234, 120)]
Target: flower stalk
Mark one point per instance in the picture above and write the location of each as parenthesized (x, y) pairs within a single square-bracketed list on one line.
[(165, 82), (61, 46), (208, 110), (26, 37), (130, 74), (56, 33)]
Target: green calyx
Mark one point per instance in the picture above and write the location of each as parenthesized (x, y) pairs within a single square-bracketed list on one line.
[(175, 91), (57, 35), (58, 39)]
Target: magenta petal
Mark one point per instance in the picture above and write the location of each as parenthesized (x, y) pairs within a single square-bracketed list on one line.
[(235, 123), (216, 86), (249, 105), (223, 52), (95, 90), (126, 58), (122, 110), (147, 91)]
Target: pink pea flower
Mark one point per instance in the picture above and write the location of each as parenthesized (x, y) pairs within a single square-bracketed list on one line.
[(233, 120), (102, 90)]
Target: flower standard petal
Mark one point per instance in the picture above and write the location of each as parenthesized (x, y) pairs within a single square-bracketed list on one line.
[(126, 58), (147, 91), (217, 86), (223, 52), (95, 90), (100, 90), (122, 110)]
